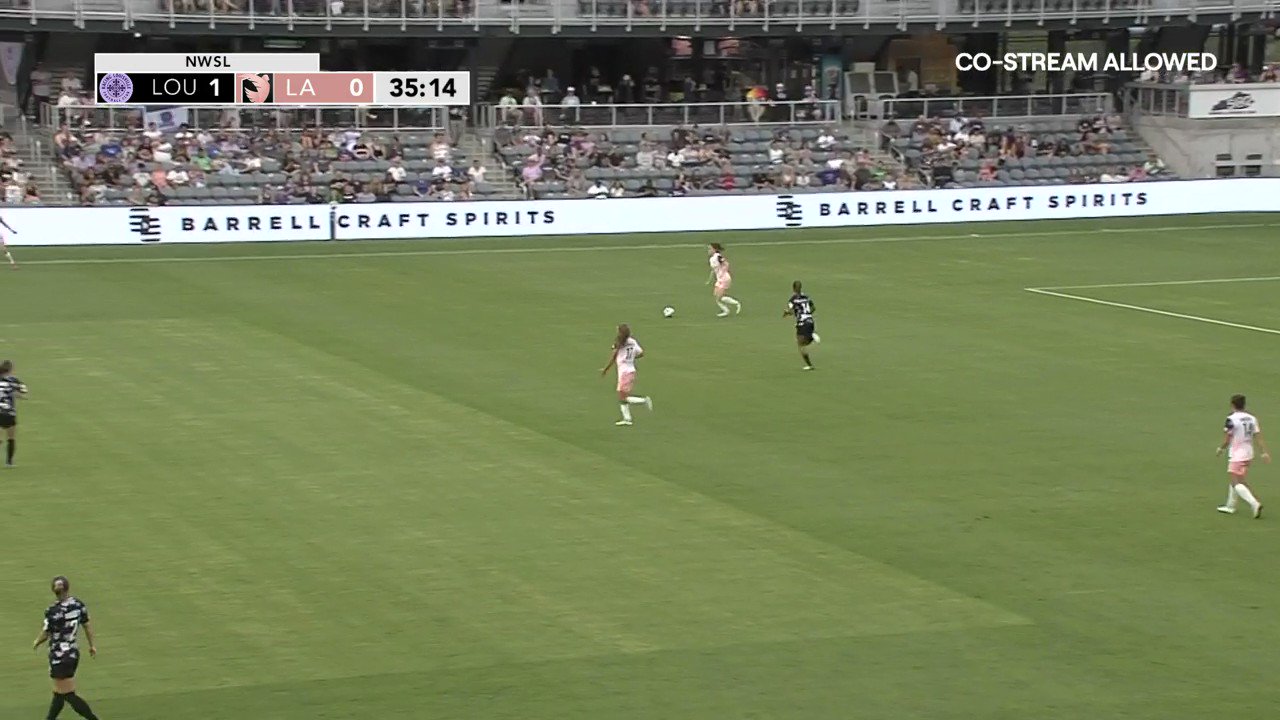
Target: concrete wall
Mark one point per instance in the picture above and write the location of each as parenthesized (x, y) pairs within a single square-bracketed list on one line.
[(1190, 147)]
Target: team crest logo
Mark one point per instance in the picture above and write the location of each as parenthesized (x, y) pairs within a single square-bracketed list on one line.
[(254, 89)]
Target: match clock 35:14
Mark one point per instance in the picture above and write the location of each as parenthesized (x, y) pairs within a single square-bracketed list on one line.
[(423, 88)]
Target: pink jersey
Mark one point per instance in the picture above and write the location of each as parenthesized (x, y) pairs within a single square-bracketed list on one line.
[(721, 268), (1241, 427), (625, 356)]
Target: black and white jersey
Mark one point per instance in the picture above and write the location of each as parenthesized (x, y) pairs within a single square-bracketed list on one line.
[(801, 308), (62, 621), (10, 388)]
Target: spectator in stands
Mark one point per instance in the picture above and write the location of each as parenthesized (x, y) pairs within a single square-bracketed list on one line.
[(1270, 73), (576, 185), (570, 103), (651, 87), (776, 153), (1113, 175), (889, 132), (809, 107), (728, 181), (421, 188), (532, 109), (550, 86), (509, 107), (616, 190), (598, 190), (625, 93), (1154, 165), (476, 172), (825, 140), (41, 87), (648, 189), (988, 172)]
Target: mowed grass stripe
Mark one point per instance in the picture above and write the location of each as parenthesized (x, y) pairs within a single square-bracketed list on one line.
[(514, 546)]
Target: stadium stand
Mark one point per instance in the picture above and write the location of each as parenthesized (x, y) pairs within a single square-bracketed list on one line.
[(975, 152)]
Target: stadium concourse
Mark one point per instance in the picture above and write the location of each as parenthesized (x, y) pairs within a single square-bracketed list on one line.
[(570, 151)]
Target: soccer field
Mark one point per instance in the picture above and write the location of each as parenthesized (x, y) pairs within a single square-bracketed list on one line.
[(382, 480)]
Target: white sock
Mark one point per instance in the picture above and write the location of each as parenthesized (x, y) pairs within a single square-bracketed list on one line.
[(731, 301), (1231, 497), (723, 308), (633, 400), (816, 339), (1246, 494), (626, 412)]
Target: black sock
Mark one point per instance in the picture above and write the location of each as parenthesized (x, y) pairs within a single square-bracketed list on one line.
[(55, 707), (81, 707), (8, 457), (805, 355)]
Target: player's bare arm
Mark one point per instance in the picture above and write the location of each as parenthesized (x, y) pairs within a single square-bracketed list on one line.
[(1226, 440), (40, 639), (1262, 444), (88, 635), (613, 356)]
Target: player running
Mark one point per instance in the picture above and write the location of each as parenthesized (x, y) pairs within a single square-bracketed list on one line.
[(4, 242), (624, 355), (1240, 433), (723, 279), (800, 307), (11, 388)]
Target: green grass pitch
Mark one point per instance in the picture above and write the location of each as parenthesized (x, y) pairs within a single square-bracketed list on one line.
[(382, 480)]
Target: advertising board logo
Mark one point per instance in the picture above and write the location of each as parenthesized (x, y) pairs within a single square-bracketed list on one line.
[(143, 224), (790, 211), (1238, 104)]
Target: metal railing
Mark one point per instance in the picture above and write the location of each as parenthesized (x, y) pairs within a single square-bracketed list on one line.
[(1158, 99), (551, 15), (372, 117), (643, 115), (1012, 106)]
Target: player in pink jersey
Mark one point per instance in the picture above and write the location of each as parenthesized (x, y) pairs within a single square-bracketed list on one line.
[(1239, 434), (626, 351), (723, 280)]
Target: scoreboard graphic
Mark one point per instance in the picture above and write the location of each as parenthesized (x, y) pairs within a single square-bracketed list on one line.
[(265, 79)]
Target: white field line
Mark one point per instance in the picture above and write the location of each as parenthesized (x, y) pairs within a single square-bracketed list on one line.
[(649, 246), (1161, 283), (1154, 311)]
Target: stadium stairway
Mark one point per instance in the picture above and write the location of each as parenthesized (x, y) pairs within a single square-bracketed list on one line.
[(34, 149), (476, 145)]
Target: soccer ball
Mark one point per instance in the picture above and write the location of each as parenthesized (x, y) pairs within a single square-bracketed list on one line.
[(668, 311)]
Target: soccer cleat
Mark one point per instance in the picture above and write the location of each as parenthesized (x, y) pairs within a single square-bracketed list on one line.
[(1227, 510), (1257, 512), (808, 367), (621, 423), (648, 402), (817, 339)]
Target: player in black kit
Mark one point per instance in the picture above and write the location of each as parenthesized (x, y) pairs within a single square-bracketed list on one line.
[(800, 307), (61, 621), (10, 389)]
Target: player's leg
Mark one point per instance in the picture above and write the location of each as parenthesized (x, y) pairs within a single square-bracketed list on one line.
[(1239, 471), (11, 443), (64, 691), (718, 294), (802, 343), (725, 299)]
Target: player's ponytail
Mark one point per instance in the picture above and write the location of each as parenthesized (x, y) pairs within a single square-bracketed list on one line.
[(624, 334)]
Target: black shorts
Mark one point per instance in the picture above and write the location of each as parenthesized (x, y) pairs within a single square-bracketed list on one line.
[(804, 332), (64, 669), (8, 420)]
